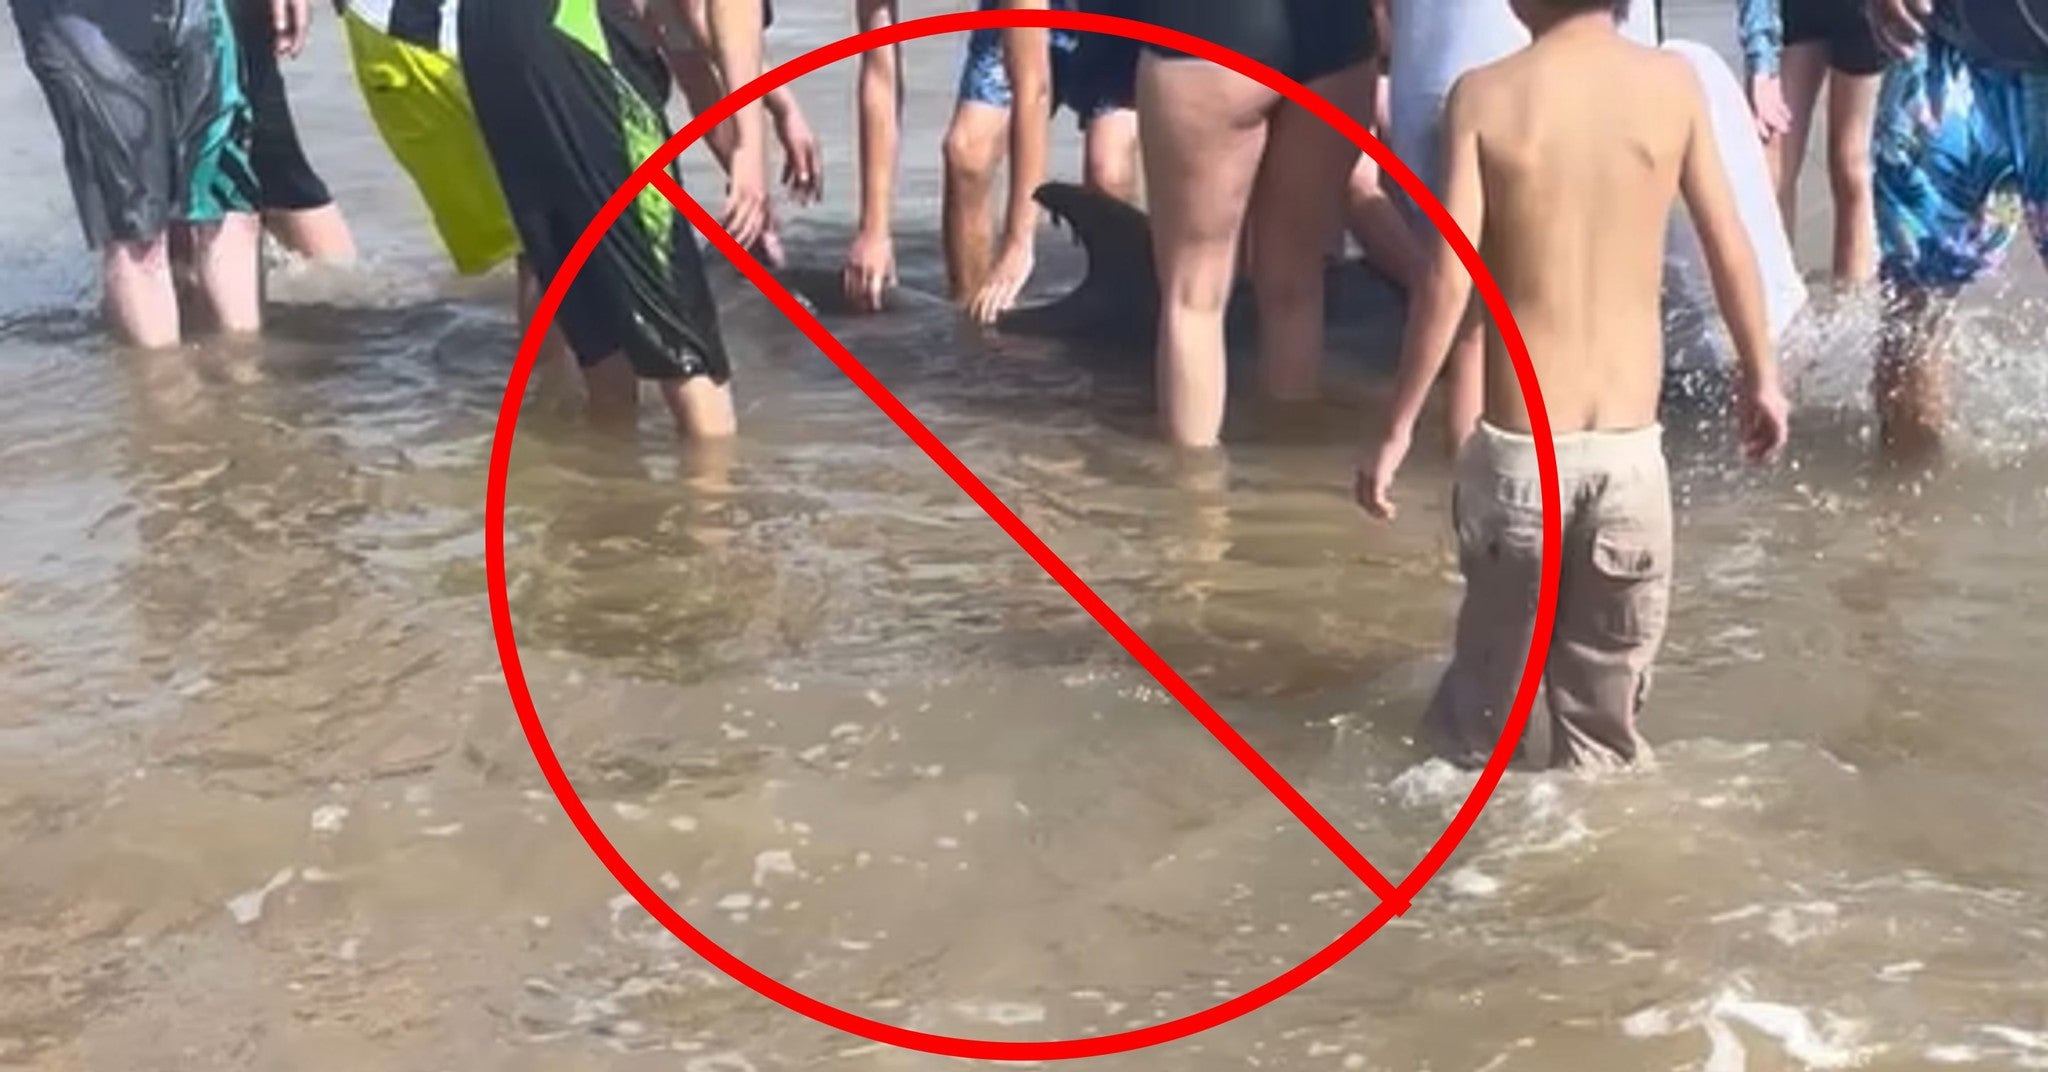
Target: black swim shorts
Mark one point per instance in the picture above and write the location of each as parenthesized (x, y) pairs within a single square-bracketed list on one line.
[(147, 100), (1842, 26), (1105, 68), (1303, 39), (565, 129)]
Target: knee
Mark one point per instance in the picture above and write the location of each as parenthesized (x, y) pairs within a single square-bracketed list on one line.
[(1849, 170), (972, 153), (1203, 293), (1198, 284), (1114, 175)]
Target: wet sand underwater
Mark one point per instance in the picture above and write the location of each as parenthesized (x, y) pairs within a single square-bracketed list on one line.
[(264, 803)]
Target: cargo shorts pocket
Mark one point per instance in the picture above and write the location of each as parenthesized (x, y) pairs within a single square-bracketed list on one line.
[(1633, 568)]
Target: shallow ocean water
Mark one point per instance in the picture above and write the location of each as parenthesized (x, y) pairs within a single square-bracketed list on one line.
[(264, 803)]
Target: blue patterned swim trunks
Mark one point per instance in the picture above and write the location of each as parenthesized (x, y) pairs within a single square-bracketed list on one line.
[(1953, 135), (1087, 81)]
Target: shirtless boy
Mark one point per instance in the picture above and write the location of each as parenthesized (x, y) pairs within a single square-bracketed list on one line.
[(1565, 187)]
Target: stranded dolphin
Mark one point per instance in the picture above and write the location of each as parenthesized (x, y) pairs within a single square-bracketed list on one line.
[(1117, 301), (1115, 306)]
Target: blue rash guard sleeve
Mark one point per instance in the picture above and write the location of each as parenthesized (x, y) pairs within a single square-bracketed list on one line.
[(1761, 31)]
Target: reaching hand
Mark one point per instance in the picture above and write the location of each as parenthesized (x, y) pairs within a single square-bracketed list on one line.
[(1767, 102), (803, 167), (290, 20), (999, 292), (746, 196), (870, 271), (1374, 482), (1761, 414), (1900, 24)]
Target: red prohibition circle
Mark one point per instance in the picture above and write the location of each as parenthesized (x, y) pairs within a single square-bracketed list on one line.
[(1394, 898)]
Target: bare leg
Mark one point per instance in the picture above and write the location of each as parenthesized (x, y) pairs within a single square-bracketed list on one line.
[(1111, 154), (555, 359), (702, 409), (141, 299), (317, 234), (974, 147), (225, 260), (611, 394), (1205, 129), (1801, 71), (1852, 114), (1297, 204), (1909, 387)]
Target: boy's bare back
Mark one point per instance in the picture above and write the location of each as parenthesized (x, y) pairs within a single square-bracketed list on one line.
[(1580, 147), (1563, 163)]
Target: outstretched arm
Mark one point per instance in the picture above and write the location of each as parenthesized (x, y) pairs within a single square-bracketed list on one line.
[(736, 47), (871, 262), (1762, 33), (703, 85), (1437, 307), (1027, 60), (1738, 284)]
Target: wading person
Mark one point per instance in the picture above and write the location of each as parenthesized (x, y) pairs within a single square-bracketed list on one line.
[(1224, 154), (1795, 49), (147, 99), (1010, 82), (1962, 117), (565, 129), (297, 208), (1570, 218)]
